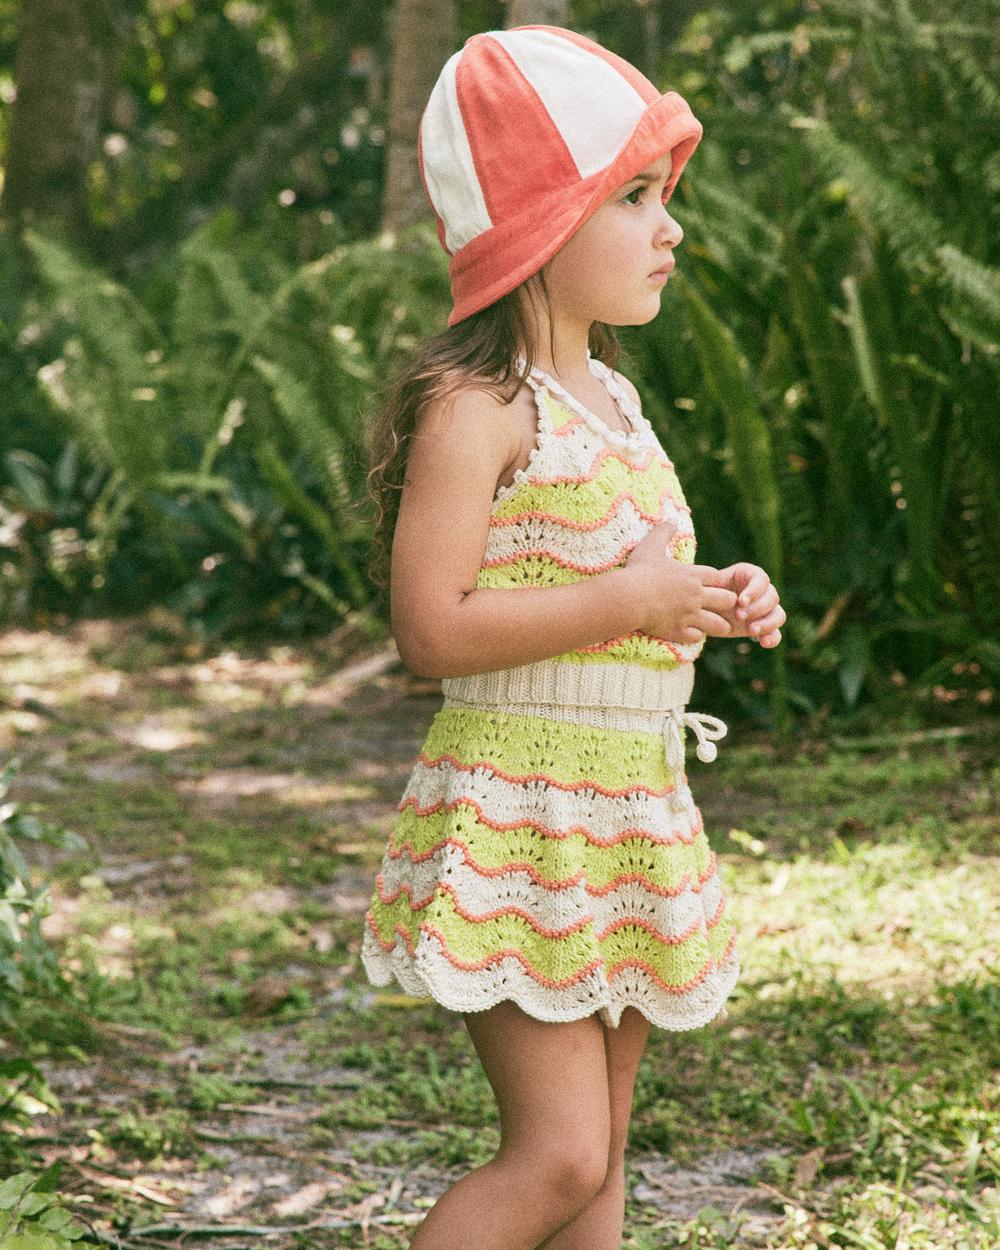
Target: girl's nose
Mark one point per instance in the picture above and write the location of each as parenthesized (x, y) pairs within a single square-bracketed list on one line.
[(669, 229)]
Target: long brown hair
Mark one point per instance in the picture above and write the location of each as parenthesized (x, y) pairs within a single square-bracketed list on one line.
[(480, 349)]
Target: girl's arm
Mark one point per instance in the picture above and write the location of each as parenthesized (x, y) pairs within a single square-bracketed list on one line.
[(443, 625)]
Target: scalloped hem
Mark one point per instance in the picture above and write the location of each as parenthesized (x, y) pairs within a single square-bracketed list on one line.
[(425, 976)]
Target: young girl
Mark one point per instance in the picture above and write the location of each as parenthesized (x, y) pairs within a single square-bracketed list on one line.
[(548, 875)]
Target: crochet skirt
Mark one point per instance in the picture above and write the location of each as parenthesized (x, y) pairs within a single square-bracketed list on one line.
[(560, 865)]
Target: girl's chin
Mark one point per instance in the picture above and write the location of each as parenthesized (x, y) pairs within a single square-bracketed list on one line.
[(638, 318)]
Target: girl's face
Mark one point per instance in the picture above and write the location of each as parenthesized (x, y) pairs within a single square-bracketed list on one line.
[(604, 271)]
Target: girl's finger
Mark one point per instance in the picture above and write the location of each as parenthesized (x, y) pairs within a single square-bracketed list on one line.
[(718, 600), (767, 602), (772, 639), (716, 626), (774, 620), (756, 585), (760, 604)]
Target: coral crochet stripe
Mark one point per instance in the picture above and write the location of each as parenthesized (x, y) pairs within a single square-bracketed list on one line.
[(554, 856)]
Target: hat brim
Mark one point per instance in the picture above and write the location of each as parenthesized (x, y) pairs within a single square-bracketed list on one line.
[(503, 257)]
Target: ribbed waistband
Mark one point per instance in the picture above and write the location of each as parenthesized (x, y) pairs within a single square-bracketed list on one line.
[(577, 685), (625, 695)]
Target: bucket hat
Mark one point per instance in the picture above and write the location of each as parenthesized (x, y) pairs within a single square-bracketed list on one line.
[(526, 133)]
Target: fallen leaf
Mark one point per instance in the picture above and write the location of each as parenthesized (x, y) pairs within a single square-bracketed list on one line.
[(308, 1196), (808, 1166)]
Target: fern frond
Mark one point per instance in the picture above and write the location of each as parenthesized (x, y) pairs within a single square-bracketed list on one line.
[(980, 287), (113, 394), (981, 90), (725, 374), (282, 481), (737, 235), (320, 443), (907, 225)]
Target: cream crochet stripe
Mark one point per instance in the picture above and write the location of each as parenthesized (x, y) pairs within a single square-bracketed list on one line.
[(478, 989), (554, 911), (510, 804)]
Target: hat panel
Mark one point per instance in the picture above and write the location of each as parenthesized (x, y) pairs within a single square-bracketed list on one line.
[(669, 126), (438, 222), (516, 146), (576, 85), (649, 91), (446, 164), (507, 255)]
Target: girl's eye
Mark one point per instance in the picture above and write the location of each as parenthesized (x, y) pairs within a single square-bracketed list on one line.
[(637, 191)]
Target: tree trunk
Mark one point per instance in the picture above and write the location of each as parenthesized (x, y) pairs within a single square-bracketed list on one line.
[(424, 34), (650, 15), (537, 13), (66, 67)]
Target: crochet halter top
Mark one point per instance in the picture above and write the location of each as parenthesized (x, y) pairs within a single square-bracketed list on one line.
[(586, 497)]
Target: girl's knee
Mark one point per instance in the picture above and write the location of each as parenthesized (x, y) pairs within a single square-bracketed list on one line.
[(570, 1177)]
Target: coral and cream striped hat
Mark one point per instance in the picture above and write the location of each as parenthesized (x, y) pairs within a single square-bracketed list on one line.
[(525, 135)]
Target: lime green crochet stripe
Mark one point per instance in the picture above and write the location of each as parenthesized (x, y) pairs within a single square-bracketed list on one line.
[(559, 413), (590, 500), (635, 649), (553, 859), (561, 751), (544, 570), (558, 959)]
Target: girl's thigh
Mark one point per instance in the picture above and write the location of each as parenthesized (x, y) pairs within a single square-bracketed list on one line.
[(550, 1081), (625, 1048)]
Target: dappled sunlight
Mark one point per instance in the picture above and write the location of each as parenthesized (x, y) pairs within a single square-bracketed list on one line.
[(885, 919), (18, 722), (101, 685), (289, 787), (43, 657), (281, 666), (216, 692), (100, 933), (156, 734)]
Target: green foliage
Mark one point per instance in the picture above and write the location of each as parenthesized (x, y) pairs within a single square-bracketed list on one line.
[(151, 1136), (28, 965), (30, 975), (32, 1216), (749, 442), (230, 446), (841, 302)]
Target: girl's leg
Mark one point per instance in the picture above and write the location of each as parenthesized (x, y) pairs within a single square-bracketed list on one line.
[(599, 1226), (551, 1086)]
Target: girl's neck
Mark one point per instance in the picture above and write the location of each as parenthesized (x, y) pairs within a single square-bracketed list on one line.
[(569, 361)]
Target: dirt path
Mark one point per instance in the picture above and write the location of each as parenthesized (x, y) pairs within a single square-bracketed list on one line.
[(236, 807)]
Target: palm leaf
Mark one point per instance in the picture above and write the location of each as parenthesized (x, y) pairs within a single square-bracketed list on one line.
[(727, 380)]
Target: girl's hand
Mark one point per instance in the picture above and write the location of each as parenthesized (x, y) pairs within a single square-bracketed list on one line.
[(677, 601), (758, 614)]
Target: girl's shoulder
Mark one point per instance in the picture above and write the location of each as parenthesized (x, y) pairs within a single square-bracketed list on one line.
[(474, 417), (468, 403), (460, 388)]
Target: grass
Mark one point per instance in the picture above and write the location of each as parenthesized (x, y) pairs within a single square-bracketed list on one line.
[(858, 1063)]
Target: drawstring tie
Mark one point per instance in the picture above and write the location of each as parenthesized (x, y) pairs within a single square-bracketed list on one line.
[(708, 730)]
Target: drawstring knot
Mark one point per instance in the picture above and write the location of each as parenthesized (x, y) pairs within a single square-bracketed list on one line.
[(708, 730)]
